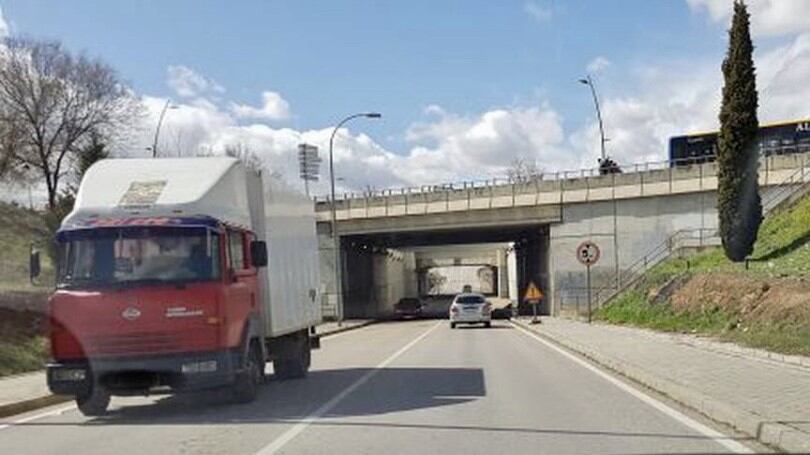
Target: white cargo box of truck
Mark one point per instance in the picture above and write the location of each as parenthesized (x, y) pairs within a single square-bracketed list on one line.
[(221, 188), (285, 219)]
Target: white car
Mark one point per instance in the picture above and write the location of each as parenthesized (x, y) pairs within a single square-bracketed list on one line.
[(470, 308)]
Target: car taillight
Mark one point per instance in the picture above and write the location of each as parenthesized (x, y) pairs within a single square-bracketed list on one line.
[(454, 309), (487, 307)]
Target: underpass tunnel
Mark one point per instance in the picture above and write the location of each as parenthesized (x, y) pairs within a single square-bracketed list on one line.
[(532, 257), (444, 271), (358, 279), (380, 269)]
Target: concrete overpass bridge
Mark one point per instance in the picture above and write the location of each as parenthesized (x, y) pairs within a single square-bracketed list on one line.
[(543, 219)]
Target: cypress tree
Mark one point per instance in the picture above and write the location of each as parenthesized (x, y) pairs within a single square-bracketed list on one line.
[(738, 201)]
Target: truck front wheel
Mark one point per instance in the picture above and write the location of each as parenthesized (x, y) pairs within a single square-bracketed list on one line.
[(246, 387), (93, 403)]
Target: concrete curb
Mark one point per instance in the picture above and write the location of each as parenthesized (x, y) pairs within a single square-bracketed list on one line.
[(346, 329), (727, 348), (776, 434), (8, 410), (733, 349)]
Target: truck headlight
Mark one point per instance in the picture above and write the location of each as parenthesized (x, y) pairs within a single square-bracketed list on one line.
[(69, 374)]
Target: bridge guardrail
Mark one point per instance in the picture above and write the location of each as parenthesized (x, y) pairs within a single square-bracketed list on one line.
[(657, 177)]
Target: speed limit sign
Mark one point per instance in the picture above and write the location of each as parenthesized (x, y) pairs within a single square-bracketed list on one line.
[(588, 253)]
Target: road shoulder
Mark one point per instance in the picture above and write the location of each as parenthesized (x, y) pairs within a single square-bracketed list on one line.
[(599, 345)]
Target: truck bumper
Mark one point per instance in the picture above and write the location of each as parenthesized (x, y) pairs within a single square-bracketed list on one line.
[(138, 375)]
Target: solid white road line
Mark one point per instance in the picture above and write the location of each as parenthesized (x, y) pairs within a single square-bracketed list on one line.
[(290, 434), (38, 416), (712, 434)]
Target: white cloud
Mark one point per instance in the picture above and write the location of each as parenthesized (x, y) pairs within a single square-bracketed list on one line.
[(200, 127), (670, 100), (782, 76), (188, 83), (537, 11), (768, 17), (667, 99), (5, 30), (445, 147), (684, 97), (273, 107), (483, 146), (598, 64)]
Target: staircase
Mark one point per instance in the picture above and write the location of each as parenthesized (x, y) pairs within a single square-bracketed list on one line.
[(790, 190)]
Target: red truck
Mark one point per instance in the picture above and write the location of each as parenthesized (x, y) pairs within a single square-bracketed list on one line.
[(181, 274)]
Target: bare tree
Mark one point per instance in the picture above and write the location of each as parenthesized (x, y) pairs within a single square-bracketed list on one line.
[(247, 156), (369, 190), (177, 144), (53, 105), (522, 170)]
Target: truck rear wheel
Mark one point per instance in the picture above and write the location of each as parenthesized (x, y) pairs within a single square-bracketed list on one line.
[(246, 387), (93, 403), (294, 357)]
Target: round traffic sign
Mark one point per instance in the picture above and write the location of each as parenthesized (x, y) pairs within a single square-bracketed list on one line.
[(588, 253)]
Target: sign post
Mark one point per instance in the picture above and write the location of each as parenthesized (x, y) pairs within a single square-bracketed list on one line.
[(588, 254), (309, 164), (533, 296), (588, 278)]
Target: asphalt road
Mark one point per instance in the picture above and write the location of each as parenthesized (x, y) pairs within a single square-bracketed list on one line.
[(415, 388)]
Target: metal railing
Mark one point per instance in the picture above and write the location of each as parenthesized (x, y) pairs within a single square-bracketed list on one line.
[(678, 241), (519, 194), (591, 172), (329, 311), (707, 161), (789, 187), (796, 182), (688, 176)]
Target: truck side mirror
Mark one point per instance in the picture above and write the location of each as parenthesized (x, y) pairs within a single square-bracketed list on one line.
[(258, 253), (34, 265)]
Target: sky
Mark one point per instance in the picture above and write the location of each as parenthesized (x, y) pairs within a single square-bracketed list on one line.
[(465, 87)]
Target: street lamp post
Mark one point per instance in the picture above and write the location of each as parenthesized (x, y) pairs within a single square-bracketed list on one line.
[(160, 122), (335, 236), (589, 82)]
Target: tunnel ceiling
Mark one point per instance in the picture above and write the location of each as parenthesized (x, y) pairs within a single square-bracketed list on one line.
[(448, 236)]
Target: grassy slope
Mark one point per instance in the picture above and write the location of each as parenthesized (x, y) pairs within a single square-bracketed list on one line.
[(18, 229), (22, 343), (782, 250), (23, 346)]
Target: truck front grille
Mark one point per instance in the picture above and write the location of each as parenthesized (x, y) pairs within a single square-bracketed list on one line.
[(133, 343)]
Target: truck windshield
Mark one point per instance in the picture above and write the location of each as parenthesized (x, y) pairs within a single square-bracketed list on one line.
[(136, 255)]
